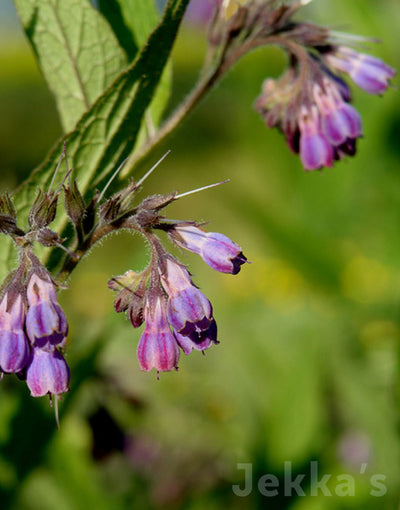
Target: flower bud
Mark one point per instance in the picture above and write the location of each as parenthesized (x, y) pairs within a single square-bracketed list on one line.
[(14, 348), (8, 217), (43, 210), (46, 324), (47, 373), (74, 203)]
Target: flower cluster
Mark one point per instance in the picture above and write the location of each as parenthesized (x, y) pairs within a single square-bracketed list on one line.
[(33, 327), (33, 330), (176, 313), (310, 102)]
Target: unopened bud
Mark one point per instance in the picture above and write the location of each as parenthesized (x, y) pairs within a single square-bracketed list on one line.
[(74, 203), (6, 206), (157, 202), (47, 237), (136, 308), (43, 210)]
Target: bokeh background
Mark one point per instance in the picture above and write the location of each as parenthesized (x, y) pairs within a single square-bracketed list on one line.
[(307, 367)]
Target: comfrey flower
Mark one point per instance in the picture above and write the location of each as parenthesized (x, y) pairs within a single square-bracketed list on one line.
[(47, 373), (46, 324), (216, 249), (14, 348), (158, 347), (47, 328), (189, 311), (368, 72)]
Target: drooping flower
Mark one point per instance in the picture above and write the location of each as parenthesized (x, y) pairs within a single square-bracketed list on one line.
[(315, 149), (14, 348), (47, 373), (189, 311), (369, 73), (157, 346), (46, 324), (217, 250)]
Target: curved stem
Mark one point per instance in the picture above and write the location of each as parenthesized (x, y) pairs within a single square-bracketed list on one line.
[(228, 59), (98, 233)]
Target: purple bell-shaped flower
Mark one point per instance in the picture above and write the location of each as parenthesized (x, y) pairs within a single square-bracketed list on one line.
[(217, 250), (14, 348), (46, 324), (47, 373), (189, 311), (157, 346)]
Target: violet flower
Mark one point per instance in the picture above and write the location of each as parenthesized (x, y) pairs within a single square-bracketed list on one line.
[(47, 373), (14, 348), (217, 250), (369, 73), (157, 346), (315, 150), (46, 324), (189, 311)]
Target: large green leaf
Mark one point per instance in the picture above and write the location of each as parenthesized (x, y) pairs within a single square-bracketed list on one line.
[(77, 51), (132, 22), (107, 132)]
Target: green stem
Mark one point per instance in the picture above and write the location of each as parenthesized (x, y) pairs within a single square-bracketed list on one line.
[(207, 80)]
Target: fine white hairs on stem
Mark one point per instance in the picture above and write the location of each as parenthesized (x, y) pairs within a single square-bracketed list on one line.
[(201, 189)]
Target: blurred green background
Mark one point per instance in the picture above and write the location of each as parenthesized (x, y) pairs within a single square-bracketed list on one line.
[(307, 367)]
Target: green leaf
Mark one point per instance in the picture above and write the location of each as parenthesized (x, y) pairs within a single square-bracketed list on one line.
[(106, 133), (132, 22), (76, 49)]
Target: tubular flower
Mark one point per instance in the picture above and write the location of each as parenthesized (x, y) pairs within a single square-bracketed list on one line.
[(315, 149), (47, 373), (14, 348), (369, 73), (217, 250), (46, 324), (157, 346), (189, 311)]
